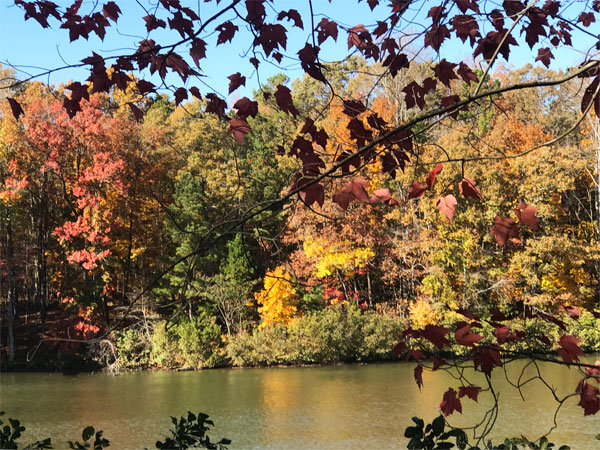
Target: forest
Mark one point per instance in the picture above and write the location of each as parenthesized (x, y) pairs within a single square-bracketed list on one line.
[(101, 212), (431, 194)]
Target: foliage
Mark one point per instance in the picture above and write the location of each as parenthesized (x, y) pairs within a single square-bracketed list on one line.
[(11, 432), (278, 300), (133, 347), (98, 444), (190, 432)]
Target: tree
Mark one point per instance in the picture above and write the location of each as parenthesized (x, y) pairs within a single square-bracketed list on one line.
[(515, 30)]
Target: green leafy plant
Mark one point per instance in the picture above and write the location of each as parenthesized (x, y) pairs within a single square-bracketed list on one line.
[(11, 432), (87, 433), (190, 432)]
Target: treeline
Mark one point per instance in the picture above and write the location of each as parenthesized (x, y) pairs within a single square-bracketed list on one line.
[(165, 241)]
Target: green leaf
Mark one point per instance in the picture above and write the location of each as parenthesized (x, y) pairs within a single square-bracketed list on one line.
[(419, 422), (87, 433), (438, 425)]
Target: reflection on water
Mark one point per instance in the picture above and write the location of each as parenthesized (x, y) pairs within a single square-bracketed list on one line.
[(354, 407)]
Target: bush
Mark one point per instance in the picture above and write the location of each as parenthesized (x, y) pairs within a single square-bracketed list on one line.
[(333, 335), (192, 343), (133, 347)]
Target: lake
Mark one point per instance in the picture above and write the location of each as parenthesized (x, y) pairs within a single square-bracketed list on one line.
[(336, 407)]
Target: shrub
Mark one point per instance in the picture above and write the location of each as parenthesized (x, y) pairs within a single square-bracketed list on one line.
[(199, 341), (133, 347), (164, 345)]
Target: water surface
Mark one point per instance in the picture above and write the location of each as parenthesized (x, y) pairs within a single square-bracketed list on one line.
[(340, 407)]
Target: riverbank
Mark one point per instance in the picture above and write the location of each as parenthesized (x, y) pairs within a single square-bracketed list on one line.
[(335, 335)]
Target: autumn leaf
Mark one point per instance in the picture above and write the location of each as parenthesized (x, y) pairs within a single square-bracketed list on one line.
[(239, 128), (416, 190), (470, 391), (16, 108), (589, 398), (431, 176), (468, 188), (526, 215), (235, 81), (418, 374), (504, 229), (569, 349), (436, 334), (450, 403), (283, 97), (446, 205), (464, 336)]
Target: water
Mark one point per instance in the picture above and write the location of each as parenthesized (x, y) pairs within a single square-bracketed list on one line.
[(341, 407)]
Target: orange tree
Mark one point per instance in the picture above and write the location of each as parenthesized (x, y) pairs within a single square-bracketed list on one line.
[(178, 47)]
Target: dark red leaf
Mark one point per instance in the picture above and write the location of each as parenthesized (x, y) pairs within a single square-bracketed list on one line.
[(246, 107), (446, 205), (464, 336), (16, 108), (198, 50), (418, 374), (398, 349), (111, 10), (569, 349), (450, 403), (436, 334), (235, 81), (444, 71), (272, 37), (466, 73), (589, 398), (238, 128), (437, 362), (196, 92), (468, 188), (431, 176), (292, 14), (137, 112), (283, 97), (354, 190), (470, 391), (504, 229), (226, 32), (313, 193), (415, 94), (416, 190), (526, 215), (435, 36), (545, 55), (152, 22), (586, 18), (353, 108), (590, 95), (486, 359), (326, 28), (215, 104), (180, 95)]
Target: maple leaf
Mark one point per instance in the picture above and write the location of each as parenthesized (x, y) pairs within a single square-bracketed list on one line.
[(435, 36), (398, 349), (436, 334), (446, 205), (198, 50), (437, 362), (464, 336), (215, 104), (235, 81), (418, 374), (468, 188), (586, 18), (144, 86), (326, 28), (504, 229), (487, 46), (569, 349), (450, 403), (485, 359), (545, 55), (589, 398), (382, 196), (256, 12), (271, 37), (152, 22), (313, 193), (353, 108), (415, 94), (195, 92), (283, 97), (293, 15), (356, 189), (470, 391), (239, 128), (226, 32), (15, 107), (591, 94), (444, 71), (526, 215), (466, 73), (137, 112), (431, 176), (572, 311), (246, 107), (180, 95), (111, 10), (416, 190)]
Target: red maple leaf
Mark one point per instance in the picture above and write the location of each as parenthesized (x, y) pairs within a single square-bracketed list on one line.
[(15, 107), (354, 190), (450, 403), (468, 188), (180, 95), (293, 15), (504, 229), (436, 334), (226, 32), (569, 349), (589, 398), (464, 336), (470, 391), (239, 128), (326, 28), (526, 215), (246, 107), (416, 190), (198, 50), (486, 359), (152, 22), (446, 205), (418, 374), (431, 176), (235, 81), (283, 97)]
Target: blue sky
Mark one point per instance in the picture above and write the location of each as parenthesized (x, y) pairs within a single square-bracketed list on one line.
[(33, 49)]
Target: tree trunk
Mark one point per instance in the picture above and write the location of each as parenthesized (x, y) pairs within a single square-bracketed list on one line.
[(11, 287)]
